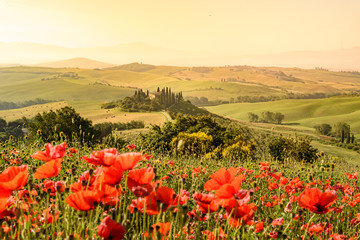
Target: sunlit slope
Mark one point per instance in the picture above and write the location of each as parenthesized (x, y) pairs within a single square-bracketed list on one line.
[(215, 83), (290, 79), (304, 112), (88, 109), (27, 83), (31, 111)]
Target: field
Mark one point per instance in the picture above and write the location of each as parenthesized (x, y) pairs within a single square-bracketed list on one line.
[(304, 112), (77, 192), (252, 199), (88, 109), (216, 83)]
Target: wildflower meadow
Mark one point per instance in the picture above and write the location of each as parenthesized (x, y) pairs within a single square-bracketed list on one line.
[(58, 192)]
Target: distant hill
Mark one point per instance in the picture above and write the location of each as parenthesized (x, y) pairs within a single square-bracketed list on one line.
[(134, 67), (33, 53), (76, 63)]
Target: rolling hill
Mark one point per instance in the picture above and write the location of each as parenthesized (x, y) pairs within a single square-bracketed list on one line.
[(32, 53), (215, 83), (301, 112)]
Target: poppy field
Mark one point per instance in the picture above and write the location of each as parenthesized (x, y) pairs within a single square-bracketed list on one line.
[(61, 192)]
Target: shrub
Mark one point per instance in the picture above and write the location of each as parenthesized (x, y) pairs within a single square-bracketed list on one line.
[(240, 150), (64, 122), (298, 149), (191, 143)]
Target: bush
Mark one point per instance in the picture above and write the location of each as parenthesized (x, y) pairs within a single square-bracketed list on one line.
[(241, 150), (191, 143), (298, 149), (66, 122)]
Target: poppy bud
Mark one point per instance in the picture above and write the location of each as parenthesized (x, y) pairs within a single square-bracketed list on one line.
[(300, 213), (288, 208), (58, 188)]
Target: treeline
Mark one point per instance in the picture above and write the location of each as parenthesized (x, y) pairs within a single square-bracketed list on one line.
[(66, 124), (145, 101), (204, 101), (254, 99), (13, 105), (339, 130), (12, 128), (267, 117)]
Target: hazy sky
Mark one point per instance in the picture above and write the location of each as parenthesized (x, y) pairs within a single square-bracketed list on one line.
[(244, 26)]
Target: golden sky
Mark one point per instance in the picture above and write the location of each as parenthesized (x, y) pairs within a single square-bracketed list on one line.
[(242, 26)]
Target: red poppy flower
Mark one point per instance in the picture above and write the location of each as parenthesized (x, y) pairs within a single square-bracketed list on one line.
[(127, 161), (104, 157), (47, 217), (138, 181), (205, 202), (273, 234), (51, 152), (352, 176), (5, 203), (72, 150), (148, 157), (213, 236), (259, 227), (130, 146), (272, 186), (48, 170), (277, 222), (54, 186), (316, 228), (109, 175), (84, 200), (241, 214), (161, 228), (228, 193), (317, 201), (158, 201), (220, 178), (182, 198), (264, 166), (111, 195), (13, 178), (109, 229), (336, 236)]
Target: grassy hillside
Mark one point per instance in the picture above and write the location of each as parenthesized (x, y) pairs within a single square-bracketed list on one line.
[(215, 83), (87, 89), (305, 112), (88, 109)]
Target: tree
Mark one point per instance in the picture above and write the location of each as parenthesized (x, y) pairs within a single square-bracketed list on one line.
[(253, 117), (323, 128), (2, 125), (267, 117), (64, 122), (279, 117), (342, 130)]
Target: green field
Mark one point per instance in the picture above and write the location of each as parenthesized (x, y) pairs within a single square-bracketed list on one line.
[(304, 112), (216, 83), (88, 109)]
